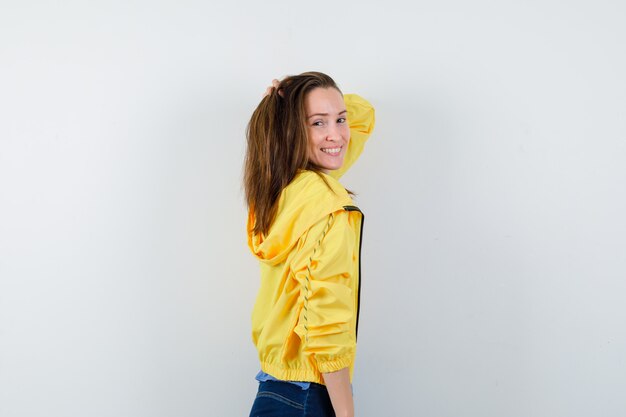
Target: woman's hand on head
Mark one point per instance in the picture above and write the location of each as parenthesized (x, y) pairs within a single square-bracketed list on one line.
[(275, 85)]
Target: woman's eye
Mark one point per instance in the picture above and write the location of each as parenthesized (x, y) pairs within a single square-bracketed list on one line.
[(318, 123), (341, 120)]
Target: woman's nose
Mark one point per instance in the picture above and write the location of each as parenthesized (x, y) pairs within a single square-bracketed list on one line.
[(333, 133)]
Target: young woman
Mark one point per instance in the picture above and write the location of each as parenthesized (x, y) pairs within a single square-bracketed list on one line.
[(305, 230)]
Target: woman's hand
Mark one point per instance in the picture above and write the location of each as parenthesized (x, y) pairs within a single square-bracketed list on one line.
[(275, 85)]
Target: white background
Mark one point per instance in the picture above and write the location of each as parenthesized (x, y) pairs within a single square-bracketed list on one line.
[(494, 270)]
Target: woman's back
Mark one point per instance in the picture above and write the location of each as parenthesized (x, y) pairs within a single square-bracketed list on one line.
[(304, 320)]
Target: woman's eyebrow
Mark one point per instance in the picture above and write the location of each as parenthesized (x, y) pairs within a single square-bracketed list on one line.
[(326, 114)]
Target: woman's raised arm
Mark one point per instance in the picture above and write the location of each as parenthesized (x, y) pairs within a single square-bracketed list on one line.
[(361, 118)]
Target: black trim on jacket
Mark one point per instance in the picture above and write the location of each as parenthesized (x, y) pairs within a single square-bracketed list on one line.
[(358, 307)]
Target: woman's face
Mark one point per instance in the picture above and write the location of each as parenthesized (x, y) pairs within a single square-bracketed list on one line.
[(327, 128)]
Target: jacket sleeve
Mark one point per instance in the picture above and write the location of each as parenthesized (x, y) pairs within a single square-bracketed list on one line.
[(323, 268), (361, 119)]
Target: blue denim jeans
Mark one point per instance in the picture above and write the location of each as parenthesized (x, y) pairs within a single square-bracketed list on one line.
[(282, 399)]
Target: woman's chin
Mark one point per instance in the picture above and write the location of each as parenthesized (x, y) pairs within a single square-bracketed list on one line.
[(333, 164), (332, 167)]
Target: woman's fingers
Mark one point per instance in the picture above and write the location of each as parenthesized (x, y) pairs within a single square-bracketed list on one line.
[(275, 85)]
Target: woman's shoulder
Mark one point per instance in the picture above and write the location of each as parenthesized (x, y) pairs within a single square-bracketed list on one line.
[(311, 181), (314, 191)]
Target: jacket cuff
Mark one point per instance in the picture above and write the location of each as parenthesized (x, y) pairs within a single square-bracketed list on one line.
[(325, 366)]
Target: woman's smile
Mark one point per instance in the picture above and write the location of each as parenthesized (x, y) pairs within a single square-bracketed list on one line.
[(332, 151)]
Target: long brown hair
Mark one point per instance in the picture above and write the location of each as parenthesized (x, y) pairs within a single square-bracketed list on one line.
[(278, 144)]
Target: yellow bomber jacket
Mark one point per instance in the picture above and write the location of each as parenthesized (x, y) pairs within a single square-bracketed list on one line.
[(305, 318)]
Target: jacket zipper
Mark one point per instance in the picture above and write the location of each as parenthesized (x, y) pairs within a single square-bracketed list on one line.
[(358, 306)]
